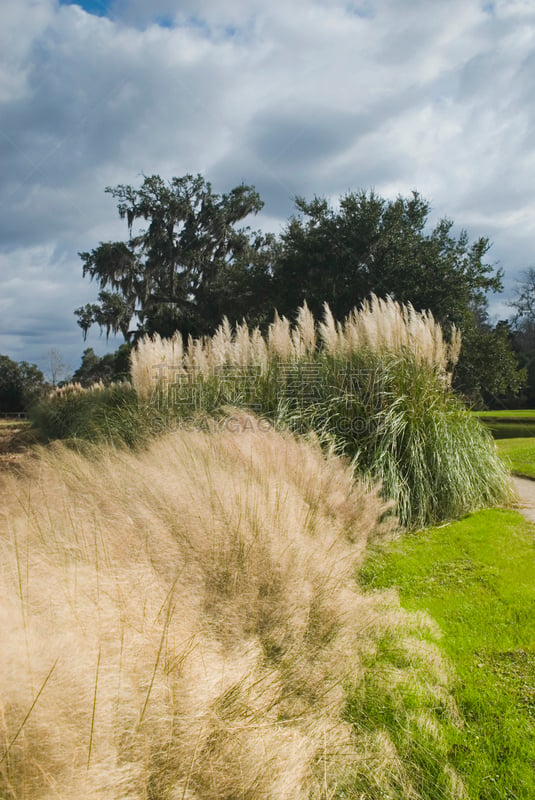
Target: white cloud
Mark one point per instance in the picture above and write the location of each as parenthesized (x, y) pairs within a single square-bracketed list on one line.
[(313, 97)]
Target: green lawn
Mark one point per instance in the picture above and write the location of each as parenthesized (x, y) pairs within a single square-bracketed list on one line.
[(514, 432), (509, 424), (516, 414), (476, 577), (520, 454)]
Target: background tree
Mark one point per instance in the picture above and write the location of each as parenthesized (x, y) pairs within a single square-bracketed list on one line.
[(21, 384), (524, 331), (524, 302), (369, 244), (107, 368), (492, 376), (175, 274), (57, 367)]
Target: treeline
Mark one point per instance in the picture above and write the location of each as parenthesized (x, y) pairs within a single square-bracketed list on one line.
[(21, 385), (187, 263)]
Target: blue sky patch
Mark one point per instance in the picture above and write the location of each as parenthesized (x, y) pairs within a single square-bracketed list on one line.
[(99, 8)]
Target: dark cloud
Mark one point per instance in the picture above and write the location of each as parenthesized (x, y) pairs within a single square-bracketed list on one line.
[(304, 141)]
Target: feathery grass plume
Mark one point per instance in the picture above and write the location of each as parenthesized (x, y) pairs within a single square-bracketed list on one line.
[(241, 351), (455, 345), (279, 342), (68, 390), (385, 325), (331, 335), (153, 360), (220, 345), (192, 632), (258, 350), (196, 358), (304, 333)]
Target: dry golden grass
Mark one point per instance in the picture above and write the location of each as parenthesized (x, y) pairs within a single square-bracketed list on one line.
[(383, 324), (16, 439), (181, 623), (379, 325)]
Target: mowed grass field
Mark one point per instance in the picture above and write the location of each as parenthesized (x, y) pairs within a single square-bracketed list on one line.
[(520, 454), (476, 578), (509, 424), (514, 432)]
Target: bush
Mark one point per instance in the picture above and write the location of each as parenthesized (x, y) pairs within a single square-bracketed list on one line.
[(21, 384), (110, 413), (196, 631), (378, 385)]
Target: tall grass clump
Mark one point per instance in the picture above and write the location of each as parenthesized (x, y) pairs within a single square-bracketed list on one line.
[(378, 384), (97, 413), (195, 631)]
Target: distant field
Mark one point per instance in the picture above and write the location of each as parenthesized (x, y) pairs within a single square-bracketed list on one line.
[(16, 435), (527, 413), (509, 424), (520, 453)]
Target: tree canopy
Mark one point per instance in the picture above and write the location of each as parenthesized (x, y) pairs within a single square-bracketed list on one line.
[(178, 272), (369, 244), (21, 384), (192, 265), (106, 369), (523, 334)]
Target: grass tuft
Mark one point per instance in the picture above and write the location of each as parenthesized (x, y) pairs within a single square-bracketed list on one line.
[(378, 384), (198, 601)]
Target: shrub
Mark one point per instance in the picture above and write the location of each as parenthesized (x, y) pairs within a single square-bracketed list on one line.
[(95, 413), (378, 384), (188, 632)]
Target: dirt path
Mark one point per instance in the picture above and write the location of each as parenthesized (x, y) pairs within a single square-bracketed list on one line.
[(526, 492), (15, 439)]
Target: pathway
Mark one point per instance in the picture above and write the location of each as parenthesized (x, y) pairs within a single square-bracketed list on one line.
[(525, 489)]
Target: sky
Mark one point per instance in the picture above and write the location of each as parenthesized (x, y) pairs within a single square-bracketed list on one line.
[(294, 97)]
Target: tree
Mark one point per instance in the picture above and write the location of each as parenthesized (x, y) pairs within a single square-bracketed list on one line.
[(524, 331), (490, 375), (369, 244), (21, 384), (524, 302), (107, 368), (57, 368), (172, 275)]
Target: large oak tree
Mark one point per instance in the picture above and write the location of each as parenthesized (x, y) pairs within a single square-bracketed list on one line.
[(185, 269), (340, 254), (369, 244), (190, 265)]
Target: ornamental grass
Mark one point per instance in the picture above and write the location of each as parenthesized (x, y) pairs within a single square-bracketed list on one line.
[(183, 622), (377, 384)]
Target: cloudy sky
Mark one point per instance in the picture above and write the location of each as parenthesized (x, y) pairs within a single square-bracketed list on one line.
[(296, 97)]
